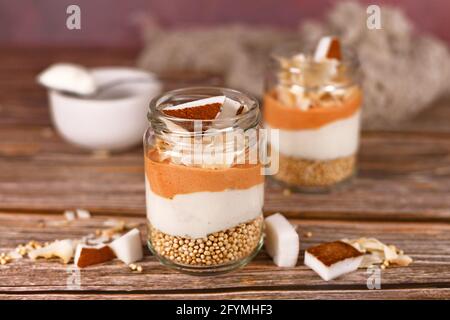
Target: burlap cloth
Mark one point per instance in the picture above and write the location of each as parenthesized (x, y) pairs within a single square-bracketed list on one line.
[(402, 71)]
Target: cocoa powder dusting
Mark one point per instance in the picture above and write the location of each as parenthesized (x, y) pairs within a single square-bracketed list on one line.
[(206, 112), (331, 252)]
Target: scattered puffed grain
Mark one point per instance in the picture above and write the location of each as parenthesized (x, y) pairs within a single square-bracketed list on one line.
[(132, 266)]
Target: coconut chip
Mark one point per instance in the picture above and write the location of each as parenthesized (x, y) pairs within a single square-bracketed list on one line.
[(377, 253), (83, 214), (63, 249)]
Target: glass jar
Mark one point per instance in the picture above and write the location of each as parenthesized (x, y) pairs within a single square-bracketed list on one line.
[(316, 105), (204, 185)]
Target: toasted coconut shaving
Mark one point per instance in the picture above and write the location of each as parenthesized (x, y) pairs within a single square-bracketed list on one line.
[(378, 253)]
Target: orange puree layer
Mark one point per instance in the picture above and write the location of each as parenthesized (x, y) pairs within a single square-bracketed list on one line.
[(168, 179), (280, 116)]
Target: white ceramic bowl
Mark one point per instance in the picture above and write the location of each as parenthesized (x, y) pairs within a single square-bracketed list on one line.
[(115, 120)]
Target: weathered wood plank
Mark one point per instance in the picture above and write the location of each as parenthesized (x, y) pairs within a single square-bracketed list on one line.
[(427, 243)]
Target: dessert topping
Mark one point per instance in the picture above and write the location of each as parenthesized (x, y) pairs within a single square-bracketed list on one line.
[(300, 72), (328, 48), (218, 107)]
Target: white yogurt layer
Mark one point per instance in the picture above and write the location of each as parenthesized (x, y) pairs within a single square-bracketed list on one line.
[(334, 140), (198, 214)]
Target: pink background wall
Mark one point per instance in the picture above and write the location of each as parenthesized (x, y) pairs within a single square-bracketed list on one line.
[(109, 22)]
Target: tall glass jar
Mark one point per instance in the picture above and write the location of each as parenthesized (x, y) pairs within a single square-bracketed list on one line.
[(316, 105), (204, 185)]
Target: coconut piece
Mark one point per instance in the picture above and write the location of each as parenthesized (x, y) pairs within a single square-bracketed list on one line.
[(196, 103), (62, 249), (203, 109), (68, 77), (371, 259), (333, 259), (321, 74), (128, 247), (328, 48), (230, 108), (293, 96), (83, 214), (69, 215), (282, 241), (379, 253), (402, 260), (89, 255), (390, 253)]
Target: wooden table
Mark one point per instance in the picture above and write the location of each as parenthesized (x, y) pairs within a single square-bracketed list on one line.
[(401, 196)]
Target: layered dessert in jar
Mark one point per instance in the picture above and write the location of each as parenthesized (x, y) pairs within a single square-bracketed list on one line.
[(313, 99), (204, 187)]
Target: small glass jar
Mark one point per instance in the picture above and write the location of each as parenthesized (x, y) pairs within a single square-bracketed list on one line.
[(204, 207), (316, 105)]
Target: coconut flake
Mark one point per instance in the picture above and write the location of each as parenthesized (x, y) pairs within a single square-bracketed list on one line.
[(62, 249), (83, 214), (69, 215), (328, 48)]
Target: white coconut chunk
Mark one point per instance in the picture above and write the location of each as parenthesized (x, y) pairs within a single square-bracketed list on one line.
[(128, 247), (68, 77), (69, 215), (282, 241), (333, 259), (83, 214), (328, 48), (229, 109), (62, 249), (198, 103)]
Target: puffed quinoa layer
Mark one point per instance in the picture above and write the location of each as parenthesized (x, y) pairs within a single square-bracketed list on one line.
[(218, 248)]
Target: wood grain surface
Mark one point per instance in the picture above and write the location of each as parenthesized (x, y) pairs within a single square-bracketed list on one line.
[(401, 195)]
